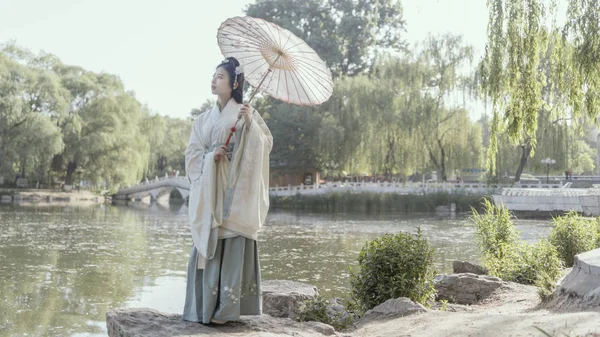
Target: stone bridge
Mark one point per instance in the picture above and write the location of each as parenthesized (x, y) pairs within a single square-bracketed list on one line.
[(155, 189)]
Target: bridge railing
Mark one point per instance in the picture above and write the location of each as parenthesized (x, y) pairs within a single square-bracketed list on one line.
[(401, 188), (150, 184)]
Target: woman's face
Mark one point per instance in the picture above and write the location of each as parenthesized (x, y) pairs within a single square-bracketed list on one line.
[(220, 82)]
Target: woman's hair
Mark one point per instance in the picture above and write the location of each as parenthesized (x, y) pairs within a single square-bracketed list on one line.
[(230, 64)]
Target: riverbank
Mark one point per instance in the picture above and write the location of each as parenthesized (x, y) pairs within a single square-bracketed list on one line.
[(50, 197), (513, 310), (368, 202)]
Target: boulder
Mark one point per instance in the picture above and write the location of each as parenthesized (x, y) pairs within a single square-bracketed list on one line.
[(465, 288), (282, 298), (391, 308), (460, 267), (140, 322), (579, 290)]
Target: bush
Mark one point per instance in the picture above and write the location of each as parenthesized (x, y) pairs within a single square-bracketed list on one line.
[(318, 309), (393, 266), (524, 263), (573, 234), (507, 257), (494, 228)]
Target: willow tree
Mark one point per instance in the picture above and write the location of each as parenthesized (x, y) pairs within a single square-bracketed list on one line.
[(443, 58), (520, 32)]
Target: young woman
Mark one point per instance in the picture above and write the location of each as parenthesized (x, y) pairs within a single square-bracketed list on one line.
[(228, 203)]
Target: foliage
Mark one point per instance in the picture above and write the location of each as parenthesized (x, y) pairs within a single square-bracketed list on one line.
[(573, 234), (375, 202), (534, 71), (63, 121), (344, 33), (505, 255), (494, 228), (318, 309), (392, 266)]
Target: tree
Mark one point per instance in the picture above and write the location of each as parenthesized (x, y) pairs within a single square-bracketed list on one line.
[(443, 58), (521, 42), (344, 33), (31, 100)]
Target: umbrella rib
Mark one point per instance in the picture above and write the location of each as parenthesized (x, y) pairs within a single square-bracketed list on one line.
[(246, 43), (312, 80), (322, 74), (273, 35), (247, 32), (286, 42), (236, 34), (260, 30), (309, 78), (295, 86), (287, 87), (302, 86), (317, 66), (270, 80), (298, 44)]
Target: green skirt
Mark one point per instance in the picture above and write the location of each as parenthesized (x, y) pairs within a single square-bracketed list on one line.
[(228, 287)]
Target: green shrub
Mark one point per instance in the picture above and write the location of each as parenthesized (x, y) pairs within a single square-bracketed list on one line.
[(393, 266), (524, 263), (494, 228), (509, 258), (317, 309), (573, 234)]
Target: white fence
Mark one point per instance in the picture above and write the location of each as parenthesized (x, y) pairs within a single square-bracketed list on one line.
[(401, 188)]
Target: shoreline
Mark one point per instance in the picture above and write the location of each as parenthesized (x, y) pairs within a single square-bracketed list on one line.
[(27, 197)]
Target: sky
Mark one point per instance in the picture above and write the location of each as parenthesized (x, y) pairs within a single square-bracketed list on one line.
[(166, 52)]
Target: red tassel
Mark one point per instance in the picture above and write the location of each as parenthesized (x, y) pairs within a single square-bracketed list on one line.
[(233, 129)]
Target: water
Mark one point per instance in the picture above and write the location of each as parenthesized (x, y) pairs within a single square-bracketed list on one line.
[(62, 268)]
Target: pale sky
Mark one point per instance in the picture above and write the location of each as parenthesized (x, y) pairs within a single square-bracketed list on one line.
[(166, 52)]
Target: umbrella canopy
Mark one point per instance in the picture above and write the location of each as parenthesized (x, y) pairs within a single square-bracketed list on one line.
[(275, 61)]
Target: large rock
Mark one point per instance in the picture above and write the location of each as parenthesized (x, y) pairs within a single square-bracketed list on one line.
[(136, 322), (391, 308), (283, 298), (580, 289), (460, 267), (465, 288)]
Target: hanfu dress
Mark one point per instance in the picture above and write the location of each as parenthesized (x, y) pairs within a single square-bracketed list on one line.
[(228, 204)]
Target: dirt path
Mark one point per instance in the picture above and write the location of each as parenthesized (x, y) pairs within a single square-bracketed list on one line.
[(515, 311)]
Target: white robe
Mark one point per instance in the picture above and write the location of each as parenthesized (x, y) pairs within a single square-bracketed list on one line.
[(227, 198)]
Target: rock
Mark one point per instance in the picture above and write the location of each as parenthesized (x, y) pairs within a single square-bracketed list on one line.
[(138, 322), (336, 308), (465, 288), (283, 298), (460, 267), (579, 290), (392, 308), (321, 328)]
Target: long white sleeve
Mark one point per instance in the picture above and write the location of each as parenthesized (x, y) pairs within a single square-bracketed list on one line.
[(195, 151)]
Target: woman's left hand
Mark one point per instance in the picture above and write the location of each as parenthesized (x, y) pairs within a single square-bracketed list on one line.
[(246, 112)]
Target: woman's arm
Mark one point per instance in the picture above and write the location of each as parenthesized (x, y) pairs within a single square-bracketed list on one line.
[(195, 151)]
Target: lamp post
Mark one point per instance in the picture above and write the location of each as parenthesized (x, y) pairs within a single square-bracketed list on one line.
[(548, 162)]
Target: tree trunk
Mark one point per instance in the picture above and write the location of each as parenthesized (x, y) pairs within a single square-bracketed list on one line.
[(526, 151), (442, 161), (23, 167), (70, 170)]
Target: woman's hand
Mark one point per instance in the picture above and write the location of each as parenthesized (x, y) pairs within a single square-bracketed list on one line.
[(246, 112), (219, 153)]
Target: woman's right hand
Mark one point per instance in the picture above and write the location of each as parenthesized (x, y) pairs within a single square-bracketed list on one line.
[(219, 153)]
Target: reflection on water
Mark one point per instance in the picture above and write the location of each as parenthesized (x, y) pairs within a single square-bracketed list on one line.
[(62, 268)]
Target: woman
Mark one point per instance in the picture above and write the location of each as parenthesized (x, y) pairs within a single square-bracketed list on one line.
[(228, 203)]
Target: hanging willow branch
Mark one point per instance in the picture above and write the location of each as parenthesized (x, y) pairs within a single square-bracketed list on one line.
[(531, 65)]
